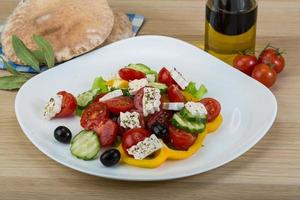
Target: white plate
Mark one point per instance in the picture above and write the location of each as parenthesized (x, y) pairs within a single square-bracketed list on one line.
[(248, 108)]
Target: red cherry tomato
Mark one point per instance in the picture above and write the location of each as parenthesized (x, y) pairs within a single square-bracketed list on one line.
[(165, 77), (163, 117), (245, 63), (138, 100), (273, 58), (180, 139), (93, 115), (107, 131), (119, 104), (131, 74), (133, 136), (213, 108), (68, 106), (264, 74), (175, 94)]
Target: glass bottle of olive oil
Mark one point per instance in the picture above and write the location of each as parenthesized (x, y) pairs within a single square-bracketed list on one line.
[(230, 27)]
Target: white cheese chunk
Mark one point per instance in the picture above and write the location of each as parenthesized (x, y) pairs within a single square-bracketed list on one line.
[(151, 100), (135, 85), (53, 107), (150, 78), (196, 108), (130, 120), (178, 78), (173, 106), (111, 95), (145, 148)]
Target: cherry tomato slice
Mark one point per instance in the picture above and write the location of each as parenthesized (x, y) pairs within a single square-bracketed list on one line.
[(93, 115), (165, 77), (180, 139), (163, 117), (119, 104), (68, 106), (133, 136), (131, 74), (213, 108), (107, 131), (138, 100), (175, 94)]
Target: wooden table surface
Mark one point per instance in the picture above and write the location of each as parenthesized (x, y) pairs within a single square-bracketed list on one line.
[(270, 170)]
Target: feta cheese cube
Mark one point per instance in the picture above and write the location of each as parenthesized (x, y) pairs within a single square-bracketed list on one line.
[(151, 100), (145, 148), (196, 108), (53, 107), (130, 120), (135, 85), (173, 106), (111, 95), (178, 78)]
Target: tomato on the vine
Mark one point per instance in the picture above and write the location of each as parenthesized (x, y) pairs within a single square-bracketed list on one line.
[(264, 74), (245, 63), (272, 57)]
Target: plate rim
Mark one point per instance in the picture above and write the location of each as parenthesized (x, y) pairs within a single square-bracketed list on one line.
[(246, 147)]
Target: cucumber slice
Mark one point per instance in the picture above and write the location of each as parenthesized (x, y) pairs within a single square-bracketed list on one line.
[(161, 86), (85, 98), (85, 145), (188, 116), (191, 127)]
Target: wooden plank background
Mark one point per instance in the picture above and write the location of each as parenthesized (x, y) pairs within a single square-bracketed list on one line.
[(269, 171)]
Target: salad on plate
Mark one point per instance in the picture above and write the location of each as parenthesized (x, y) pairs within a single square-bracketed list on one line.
[(138, 117)]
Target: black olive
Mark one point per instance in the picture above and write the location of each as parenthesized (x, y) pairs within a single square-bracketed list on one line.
[(110, 157), (63, 134), (114, 117), (160, 130)]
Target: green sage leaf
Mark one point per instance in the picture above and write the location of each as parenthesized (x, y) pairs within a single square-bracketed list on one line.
[(24, 54), (12, 82), (46, 48), (9, 68), (39, 55)]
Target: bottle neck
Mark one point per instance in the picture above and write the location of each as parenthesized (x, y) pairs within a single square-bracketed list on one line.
[(232, 6)]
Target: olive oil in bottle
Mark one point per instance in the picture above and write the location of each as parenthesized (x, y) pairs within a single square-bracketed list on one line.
[(230, 27)]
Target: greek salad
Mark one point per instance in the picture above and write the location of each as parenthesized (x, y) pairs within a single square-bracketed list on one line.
[(140, 117)]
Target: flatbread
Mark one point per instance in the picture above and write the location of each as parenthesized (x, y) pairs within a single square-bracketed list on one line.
[(73, 27), (122, 28)]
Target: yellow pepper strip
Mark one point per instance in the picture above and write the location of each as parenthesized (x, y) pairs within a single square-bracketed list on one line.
[(180, 155), (189, 97), (117, 83), (160, 157), (214, 125)]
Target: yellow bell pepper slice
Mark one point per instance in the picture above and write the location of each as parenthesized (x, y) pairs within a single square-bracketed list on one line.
[(214, 125), (159, 158), (180, 155), (189, 97), (117, 83)]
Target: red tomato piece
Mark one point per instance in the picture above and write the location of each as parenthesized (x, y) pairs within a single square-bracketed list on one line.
[(175, 94), (107, 131), (131, 74), (138, 100), (68, 106), (163, 117), (98, 97), (213, 108), (93, 115), (180, 139), (165, 77), (133, 136), (119, 104)]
